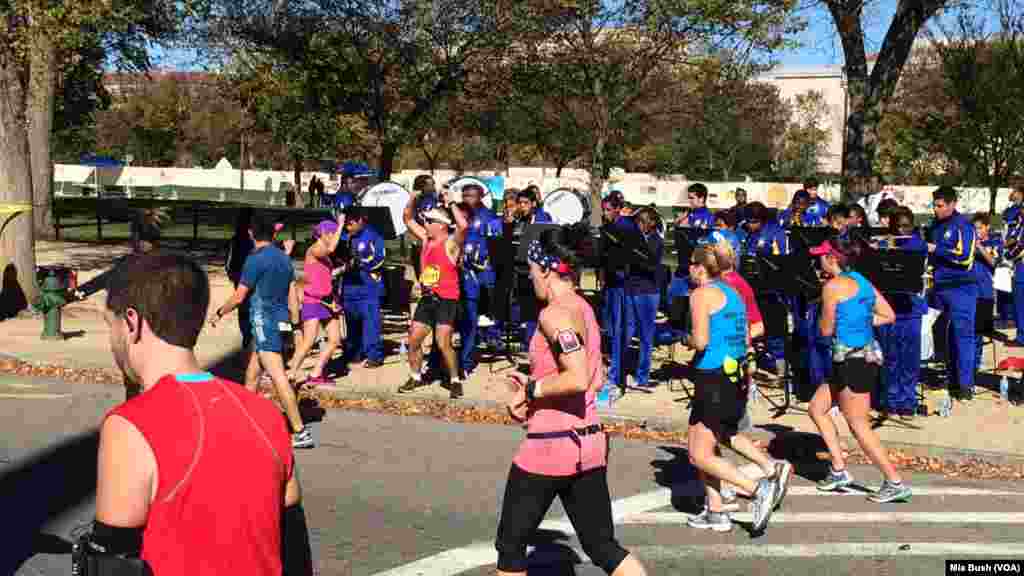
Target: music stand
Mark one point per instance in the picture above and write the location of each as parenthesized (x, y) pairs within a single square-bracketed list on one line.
[(894, 271), (380, 218), (803, 238), (685, 240)]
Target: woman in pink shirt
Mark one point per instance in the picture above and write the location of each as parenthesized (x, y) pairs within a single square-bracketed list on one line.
[(565, 452), (318, 305)]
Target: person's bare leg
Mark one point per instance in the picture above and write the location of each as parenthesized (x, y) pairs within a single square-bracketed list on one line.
[(855, 409), (702, 444), (333, 330), (745, 447), (417, 334), (253, 371), (310, 330), (444, 341), (818, 409), (274, 364), (630, 567)]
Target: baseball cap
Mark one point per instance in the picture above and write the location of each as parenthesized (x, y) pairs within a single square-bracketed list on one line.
[(324, 228), (823, 249)]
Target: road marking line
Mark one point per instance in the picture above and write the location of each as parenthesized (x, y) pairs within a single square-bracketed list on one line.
[(695, 488), (954, 518), (892, 550), (457, 560), (28, 396)]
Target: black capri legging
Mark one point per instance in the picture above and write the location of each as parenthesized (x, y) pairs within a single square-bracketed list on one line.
[(585, 499)]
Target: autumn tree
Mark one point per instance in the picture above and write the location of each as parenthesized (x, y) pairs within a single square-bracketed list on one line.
[(869, 90), (616, 56), (806, 138), (731, 125), (38, 41), (391, 64)]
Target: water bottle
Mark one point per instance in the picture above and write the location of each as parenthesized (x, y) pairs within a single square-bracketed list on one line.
[(945, 404), (754, 395), (1004, 388)]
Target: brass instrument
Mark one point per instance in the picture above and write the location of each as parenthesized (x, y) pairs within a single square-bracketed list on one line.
[(797, 217)]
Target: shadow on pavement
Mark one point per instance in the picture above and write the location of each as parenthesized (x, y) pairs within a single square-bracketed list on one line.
[(550, 557), (35, 491), (678, 475)]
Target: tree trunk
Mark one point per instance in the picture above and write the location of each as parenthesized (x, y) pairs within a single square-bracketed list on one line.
[(17, 248), (388, 153), (868, 93), (41, 101), (597, 178), (558, 170)]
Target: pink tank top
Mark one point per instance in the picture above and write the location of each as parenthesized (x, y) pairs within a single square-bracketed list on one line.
[(317, 275), (564, 456)]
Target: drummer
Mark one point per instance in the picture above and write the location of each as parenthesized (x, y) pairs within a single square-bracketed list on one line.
[(529, 210)]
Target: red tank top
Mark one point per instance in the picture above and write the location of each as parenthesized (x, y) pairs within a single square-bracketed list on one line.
[(223, 457), (439, 274)]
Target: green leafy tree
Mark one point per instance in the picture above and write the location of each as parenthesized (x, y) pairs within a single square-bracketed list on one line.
[(805, 139)]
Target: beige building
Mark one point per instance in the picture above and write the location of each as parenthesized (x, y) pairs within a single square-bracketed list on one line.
[(831, 82)]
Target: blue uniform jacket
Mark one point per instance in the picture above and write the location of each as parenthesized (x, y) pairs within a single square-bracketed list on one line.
[(617, 278), (541, 217), (643, 277), (475, 253), (363, 278), (770, 240), (953, 258), (701, 218), (983, 272), (817, 211)]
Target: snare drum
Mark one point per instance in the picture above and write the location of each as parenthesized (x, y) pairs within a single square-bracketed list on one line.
[(567, 206), (1002, 280)]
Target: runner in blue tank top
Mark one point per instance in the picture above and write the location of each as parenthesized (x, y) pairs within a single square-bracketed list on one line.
[(719, 336), (851, 307)]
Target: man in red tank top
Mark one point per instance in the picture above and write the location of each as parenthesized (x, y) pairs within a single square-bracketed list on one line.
[(196, 474), (439, 283)]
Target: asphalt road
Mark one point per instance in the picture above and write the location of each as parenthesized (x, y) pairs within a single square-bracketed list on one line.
[(403, 496)]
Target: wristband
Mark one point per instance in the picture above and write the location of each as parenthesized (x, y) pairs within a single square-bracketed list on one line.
[(219, 313), (531, 390)]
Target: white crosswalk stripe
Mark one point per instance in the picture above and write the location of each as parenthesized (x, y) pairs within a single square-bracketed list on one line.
[(803, 507)]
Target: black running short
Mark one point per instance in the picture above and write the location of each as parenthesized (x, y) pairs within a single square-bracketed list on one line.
[(433, 311), (857, 374), (717, 403)]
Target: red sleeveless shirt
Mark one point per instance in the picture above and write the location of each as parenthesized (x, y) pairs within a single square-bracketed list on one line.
[(223, 457), (439, 273)]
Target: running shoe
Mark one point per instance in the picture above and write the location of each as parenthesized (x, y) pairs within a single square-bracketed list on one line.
[(303, 439), (835, 480), (783, 473), (762, 503), (889, 492), (729, 501), (708, 520), (410, 385)]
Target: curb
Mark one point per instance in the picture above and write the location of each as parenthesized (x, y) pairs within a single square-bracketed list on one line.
[(659, 424)]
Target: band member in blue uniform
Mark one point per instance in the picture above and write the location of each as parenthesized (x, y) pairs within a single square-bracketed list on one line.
[(765, 237), (952, 246), (724, 227), (476, 273), (1013, 220), (838, 219), (362, 288), (986, 256), (817, 207), (901, 340), (699, 216), (529, 210), (740, 211), (613, 312), (642, 294), (795, 214), (347, 189)]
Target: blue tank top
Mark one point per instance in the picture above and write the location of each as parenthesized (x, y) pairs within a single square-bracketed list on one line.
[(854, 316), (727, 332)]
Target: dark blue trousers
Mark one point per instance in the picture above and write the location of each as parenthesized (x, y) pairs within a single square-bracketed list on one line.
[(901, 345), (641, 314), (467, 333), (958, 304), (364, 330)]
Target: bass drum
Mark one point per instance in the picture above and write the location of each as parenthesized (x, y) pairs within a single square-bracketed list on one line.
[(391, 196), (455, 190), (567, 206)]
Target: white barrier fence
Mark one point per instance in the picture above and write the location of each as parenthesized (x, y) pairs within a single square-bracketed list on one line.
[(640, 189)]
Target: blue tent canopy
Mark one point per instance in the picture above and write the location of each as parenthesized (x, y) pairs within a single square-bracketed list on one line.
[(355, 169), (101, 161)]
